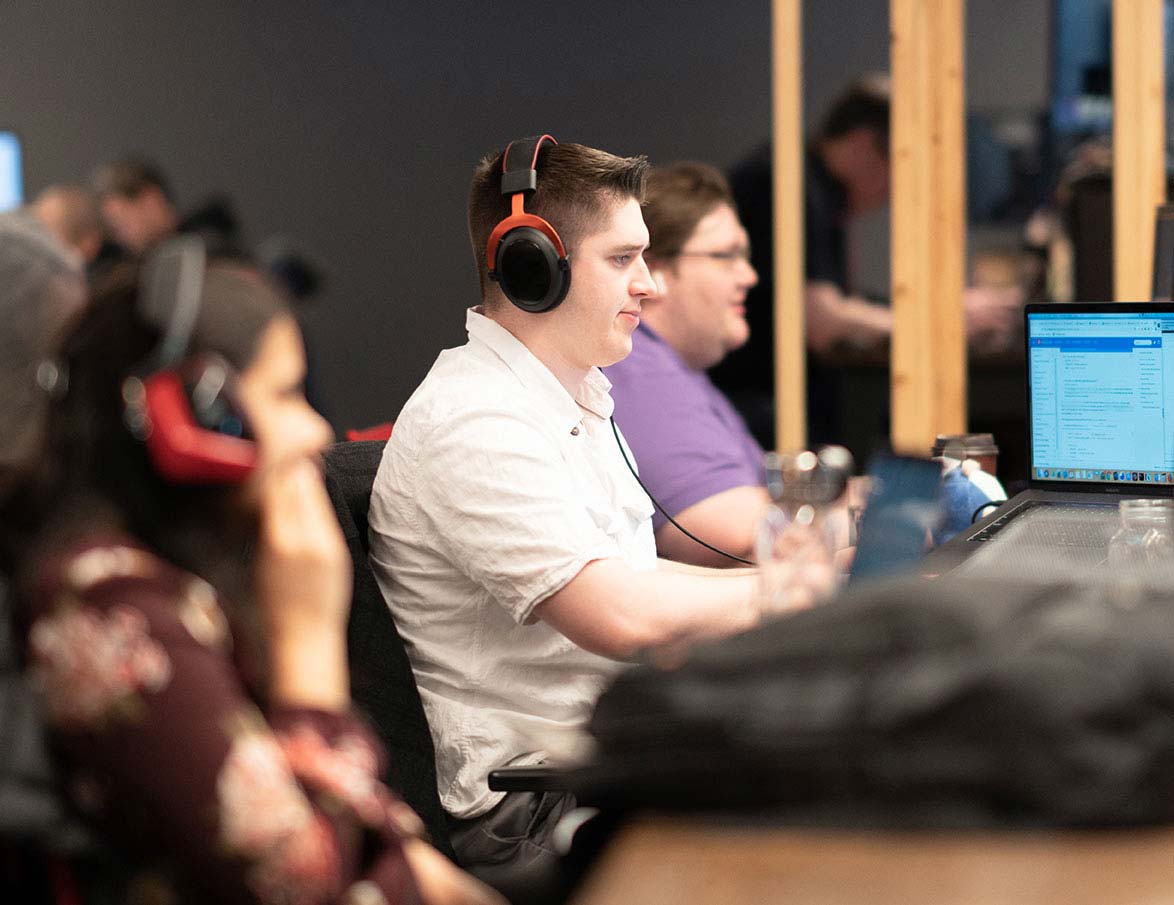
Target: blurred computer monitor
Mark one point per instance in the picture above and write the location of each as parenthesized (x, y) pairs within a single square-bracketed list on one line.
[(11, 177), (1163, 283)]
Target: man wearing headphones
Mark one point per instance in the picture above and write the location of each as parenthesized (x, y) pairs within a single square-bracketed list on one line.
[(696, 456), (508, 536)]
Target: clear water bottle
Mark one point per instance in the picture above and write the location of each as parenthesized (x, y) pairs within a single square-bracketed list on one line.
[(1145, 535), (800, 531)]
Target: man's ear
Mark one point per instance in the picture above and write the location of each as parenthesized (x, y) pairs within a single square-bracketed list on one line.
[(658, 279)]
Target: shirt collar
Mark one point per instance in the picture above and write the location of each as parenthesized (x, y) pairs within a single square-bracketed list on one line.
[(593, 395)]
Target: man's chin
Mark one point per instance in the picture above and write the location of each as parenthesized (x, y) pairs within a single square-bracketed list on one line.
[(619, 352), (737, 338)]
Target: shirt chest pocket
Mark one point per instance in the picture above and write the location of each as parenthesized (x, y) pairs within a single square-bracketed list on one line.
[(610, 494), (619, 522), (621, 516)]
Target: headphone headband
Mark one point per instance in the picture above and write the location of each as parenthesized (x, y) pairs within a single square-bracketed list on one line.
[(170, 288), (519, 164)]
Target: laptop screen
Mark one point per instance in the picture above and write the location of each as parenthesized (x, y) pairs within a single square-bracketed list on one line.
[(1100, 384), (11, 180)]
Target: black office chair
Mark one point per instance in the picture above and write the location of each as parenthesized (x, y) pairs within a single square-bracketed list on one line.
[(384, 688), (382, 684)]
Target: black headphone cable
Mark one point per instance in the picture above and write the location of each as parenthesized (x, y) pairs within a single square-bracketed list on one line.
[(685, 531)]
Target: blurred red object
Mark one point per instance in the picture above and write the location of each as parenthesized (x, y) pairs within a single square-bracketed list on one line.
[(375, 432)]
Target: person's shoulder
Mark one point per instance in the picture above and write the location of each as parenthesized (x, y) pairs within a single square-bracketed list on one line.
[(459, 381), (94, 565), (461, 409)]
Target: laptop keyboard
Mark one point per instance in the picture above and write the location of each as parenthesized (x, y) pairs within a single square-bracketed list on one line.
[(1066, 525), (1045, 541)]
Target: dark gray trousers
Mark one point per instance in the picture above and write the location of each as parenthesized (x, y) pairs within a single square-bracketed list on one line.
[(510, 846)]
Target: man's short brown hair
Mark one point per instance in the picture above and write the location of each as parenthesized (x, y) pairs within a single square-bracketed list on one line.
[(679, 197), (864, 105), (129, 178), (576, 187)]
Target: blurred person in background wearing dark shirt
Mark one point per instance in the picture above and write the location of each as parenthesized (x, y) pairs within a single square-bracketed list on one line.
[(695, 454), (139, 210), (846, 175)]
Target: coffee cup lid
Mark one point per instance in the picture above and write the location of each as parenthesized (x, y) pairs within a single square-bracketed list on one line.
[(961, 446)]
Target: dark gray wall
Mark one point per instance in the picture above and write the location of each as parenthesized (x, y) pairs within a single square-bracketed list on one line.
[(352, 126)]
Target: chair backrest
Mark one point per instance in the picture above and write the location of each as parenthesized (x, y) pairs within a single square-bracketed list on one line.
[(382, 684)]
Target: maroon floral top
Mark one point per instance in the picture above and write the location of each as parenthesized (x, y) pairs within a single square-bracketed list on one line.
[(167, 753)]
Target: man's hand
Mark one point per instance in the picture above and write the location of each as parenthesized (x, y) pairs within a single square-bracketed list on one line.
[(992, 316), (801, 571)]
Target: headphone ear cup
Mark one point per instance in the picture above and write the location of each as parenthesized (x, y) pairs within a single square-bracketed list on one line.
[(530, 270), (191, 425), (210, 384)]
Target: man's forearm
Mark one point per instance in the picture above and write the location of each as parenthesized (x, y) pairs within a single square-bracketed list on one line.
[(671, 565), (834, 319), (616, 611)]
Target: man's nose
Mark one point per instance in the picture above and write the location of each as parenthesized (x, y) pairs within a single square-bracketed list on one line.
[(642, 283), (747, 275)]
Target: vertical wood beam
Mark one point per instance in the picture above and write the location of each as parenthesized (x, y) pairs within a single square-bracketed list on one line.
[(1139, 143), (790, 369), (928, 222)]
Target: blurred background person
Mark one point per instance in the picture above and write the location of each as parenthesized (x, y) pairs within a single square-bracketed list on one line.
[(137, 205), (140, 210), (42, 290), (70, 213), (846, 177), (695, 455)]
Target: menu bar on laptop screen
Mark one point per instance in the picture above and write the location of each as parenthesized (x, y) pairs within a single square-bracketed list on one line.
[(1101, 394)]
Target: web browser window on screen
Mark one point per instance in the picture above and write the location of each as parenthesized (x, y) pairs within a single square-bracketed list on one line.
[(1102, 397), (11, 180)]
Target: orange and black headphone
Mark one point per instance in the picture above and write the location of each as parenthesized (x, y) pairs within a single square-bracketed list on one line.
[(525, 255), (183, 407)]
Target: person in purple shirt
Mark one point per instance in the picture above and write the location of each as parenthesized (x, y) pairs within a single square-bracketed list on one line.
[(693, 450)]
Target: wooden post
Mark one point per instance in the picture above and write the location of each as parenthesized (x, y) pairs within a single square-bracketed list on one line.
[(790, 375), (928, 222), (1139, 143)]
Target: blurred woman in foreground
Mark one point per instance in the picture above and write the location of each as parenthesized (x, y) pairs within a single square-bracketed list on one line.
[(198, 696)]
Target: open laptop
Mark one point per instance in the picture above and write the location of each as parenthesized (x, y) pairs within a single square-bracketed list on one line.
[(1100, 408)]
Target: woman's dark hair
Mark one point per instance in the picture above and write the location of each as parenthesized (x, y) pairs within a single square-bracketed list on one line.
[(96, 468)]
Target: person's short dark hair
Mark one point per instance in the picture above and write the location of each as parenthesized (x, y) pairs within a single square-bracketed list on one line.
[(864, 105), (680, 196), (129, 177), (576, 185)]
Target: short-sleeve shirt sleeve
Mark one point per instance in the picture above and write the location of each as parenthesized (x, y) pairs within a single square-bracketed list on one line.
[(688, 439), (497, 501)]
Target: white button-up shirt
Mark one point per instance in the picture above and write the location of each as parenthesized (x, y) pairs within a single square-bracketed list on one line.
[(496, 488)]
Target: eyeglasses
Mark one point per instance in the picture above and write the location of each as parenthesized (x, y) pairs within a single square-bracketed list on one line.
[(728, 257)]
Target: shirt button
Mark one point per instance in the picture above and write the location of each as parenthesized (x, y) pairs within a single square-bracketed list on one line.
[(575, 431)]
